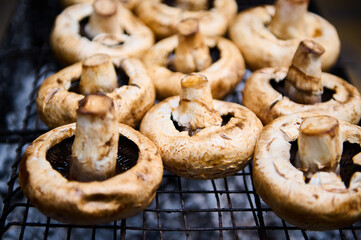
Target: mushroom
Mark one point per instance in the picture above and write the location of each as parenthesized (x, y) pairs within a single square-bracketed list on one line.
[(58, 95), (94, 151), (104, 26), (274, 92), (130, 4), (201, 138), (163, 16), (189, 51), (268, 36), (304, 169), (81, 180)]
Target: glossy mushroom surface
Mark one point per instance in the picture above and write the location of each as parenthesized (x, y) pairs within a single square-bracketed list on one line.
[(201, 138), (104, 26), (274, 92), (306, 169), (190, 51), (125, 80), (268, 36), (107, 172), (163, 16)]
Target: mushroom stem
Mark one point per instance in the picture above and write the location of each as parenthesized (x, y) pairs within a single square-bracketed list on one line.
[(98, 75), (288, 21), (95, 145), (319, 144), (104, 19), (191, 54), (195, 110), (303, 82), (192, 5)]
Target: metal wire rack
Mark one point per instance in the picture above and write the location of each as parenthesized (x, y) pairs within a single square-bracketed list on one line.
[(226, 208)]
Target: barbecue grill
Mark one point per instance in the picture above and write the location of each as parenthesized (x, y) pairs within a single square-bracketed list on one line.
[(226, 208)]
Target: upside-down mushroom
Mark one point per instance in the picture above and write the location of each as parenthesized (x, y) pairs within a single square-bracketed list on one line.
[(104, 26), (163, 16), (58, 95), (190, 51), (107, 172), (268, 36), (274, 92), (306, 169), (201, 138), (130, 4)]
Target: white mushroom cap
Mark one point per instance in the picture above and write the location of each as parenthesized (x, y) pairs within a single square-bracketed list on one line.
[(274, 92), (324, 202), (163, 19), (223, 75), (57, 104), (117, 35), (97, 202), (204, 149), (95, 145), (252, 31)]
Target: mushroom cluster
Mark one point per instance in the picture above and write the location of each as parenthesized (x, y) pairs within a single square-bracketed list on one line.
[(274, 92), (163, 16), (98, 170), (198, 137), (307, 169), (125, 80), (268, 36), (107, 172), (104, 26), (189, 51)]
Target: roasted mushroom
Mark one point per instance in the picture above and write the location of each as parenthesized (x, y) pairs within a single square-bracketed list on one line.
[(216, 58), (307, 169), (105, 26), (163, 16), (107, 172), (268, 36), (273, 92), (58, 95), (201, 138), (130, 4)]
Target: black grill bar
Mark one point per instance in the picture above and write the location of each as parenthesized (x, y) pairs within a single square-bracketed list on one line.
[(230, 207), (218, 207)]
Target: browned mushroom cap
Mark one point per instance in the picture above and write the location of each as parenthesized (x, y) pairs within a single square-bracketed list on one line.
[(130, 4), (274, 92), (105, 26), (327, 200), (192, 139), (268, 36), (96, 198), (214, 16), (58, 95), (169, 59)]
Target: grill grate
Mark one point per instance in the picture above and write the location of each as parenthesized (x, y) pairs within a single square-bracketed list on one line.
[(225, 208)]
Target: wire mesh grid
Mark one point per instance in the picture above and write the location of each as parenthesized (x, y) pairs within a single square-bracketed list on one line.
[(225, 208)]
